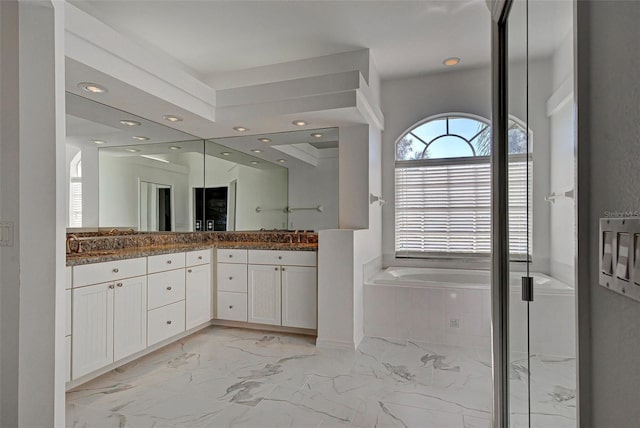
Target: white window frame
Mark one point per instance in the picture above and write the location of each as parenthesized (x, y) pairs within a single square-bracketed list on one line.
[(528, 157)]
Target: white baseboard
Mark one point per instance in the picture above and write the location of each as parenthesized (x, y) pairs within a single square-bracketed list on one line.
[(335, 344)]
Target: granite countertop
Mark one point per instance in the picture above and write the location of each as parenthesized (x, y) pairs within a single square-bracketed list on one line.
[(75, 259)]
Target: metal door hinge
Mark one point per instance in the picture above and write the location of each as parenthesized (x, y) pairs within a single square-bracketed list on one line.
[(527, 289)]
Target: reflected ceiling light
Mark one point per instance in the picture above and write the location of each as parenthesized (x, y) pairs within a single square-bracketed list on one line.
[(225, 153), (175, 147), (93, 88), (256, 150), (173, 118), (132, 150), (282, 160), (255, 162), (317, 135), (450, 62), (130, 123), (98, 141), (140, 138), (155, 158), (240, 129), (264, 140), (299, 122)]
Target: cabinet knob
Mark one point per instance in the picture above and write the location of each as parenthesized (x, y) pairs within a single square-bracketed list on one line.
[(275, 268), (169, 322), (279, 257), (199, 257), (189, 271), (282, 269), (111, 286), (230, 278), (230, 256), (168, 262), (116, 270), (230, 306), (169, 288), (119, 284)]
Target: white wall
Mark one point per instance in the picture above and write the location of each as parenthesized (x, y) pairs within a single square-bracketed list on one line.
[(119, 189), (32, 351), (265, 188), (312, 186), (408, 101), (609, 131)]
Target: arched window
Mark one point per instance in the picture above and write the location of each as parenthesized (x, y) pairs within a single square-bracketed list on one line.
[(75, 191), (443, 188)]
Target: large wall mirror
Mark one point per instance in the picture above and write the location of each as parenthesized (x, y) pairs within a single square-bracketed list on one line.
[(126, 172)]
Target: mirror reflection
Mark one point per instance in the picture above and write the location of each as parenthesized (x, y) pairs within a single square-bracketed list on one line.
[(127, 172)]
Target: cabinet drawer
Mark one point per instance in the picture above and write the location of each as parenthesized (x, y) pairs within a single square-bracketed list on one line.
[(165, 287), (232, 306), (232, 256), (97, 273), (286, 258), (164, 262), (232, 277), (201, 257), (165, 322)]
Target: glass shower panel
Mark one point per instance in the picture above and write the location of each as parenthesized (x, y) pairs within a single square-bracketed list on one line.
[(519, 214)]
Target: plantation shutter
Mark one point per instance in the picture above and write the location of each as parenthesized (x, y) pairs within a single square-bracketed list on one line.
[(444, 208), (75, 203)]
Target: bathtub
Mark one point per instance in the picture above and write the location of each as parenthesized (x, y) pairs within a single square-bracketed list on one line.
[(453, 307)]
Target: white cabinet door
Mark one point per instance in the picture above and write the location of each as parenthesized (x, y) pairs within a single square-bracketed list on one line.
[(67, 344), (92, 344), (299, 296), (264, 294), (198, 295), (130, 317)]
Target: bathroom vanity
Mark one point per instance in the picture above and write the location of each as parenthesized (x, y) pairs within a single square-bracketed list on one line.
[(125, 302)]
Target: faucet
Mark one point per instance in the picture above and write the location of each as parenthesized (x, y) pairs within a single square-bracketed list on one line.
[(73, 237), (113, 231)]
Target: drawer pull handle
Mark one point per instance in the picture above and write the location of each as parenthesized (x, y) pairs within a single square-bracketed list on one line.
[(119, 284), (230, 278), (169, 288), (110, 286), (169, 322), (189, 271), (199, 257), (168, 262), (116, 270), (230, 306)]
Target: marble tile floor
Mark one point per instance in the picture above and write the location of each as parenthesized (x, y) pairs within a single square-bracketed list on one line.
[(227, 377)]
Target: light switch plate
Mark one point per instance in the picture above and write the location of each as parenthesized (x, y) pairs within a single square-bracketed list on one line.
[(6, 234), (620, 256)]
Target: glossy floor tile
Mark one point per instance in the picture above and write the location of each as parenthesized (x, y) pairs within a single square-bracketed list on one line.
[(225, 377)]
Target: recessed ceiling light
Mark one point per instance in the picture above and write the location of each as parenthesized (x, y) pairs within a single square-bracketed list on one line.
[(240, 129), (130, 123), (173, 118), (255, 162), (140, 138), (98, 141), (450, 62), (299, 122), (264, 140), (132, 150), (317, 135), (225, 153), (92, 88), (175, 147), (282, 160), (256, 150)]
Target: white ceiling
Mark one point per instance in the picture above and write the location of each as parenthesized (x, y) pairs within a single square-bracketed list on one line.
[(406, 38)]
